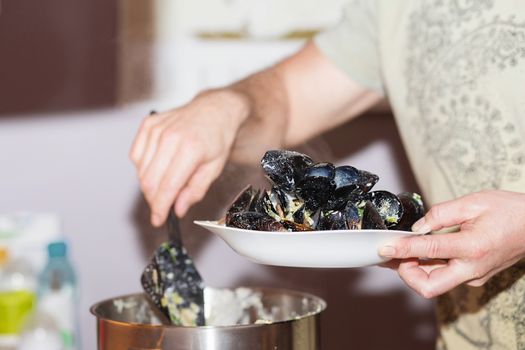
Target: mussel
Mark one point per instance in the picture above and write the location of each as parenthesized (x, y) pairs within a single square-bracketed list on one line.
[(413, 210), (317, 185), (388, 206), (245, 201), (250, 220), (284, 168), (305, 195)]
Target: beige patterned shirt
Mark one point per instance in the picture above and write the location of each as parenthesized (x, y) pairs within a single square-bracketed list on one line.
[(454, 72)]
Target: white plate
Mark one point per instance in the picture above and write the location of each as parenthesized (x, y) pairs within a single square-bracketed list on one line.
[(343, 248)]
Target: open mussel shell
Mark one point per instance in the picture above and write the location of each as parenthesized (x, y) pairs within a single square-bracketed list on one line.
[(175, 286), (268, 203), (347, 218), (351, 185), (371, 219), (317, 185), (295, 226), (246, 200), (332, 220), (352, 216), (250, 220), (367, 180), (346, 180), (388, 206), (285, 168), (307, 196), (413, 210)]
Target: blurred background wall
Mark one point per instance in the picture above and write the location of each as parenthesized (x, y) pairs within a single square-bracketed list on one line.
[(76, 78)]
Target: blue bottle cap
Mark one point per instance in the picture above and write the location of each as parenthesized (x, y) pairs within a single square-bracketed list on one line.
[(57, 249)]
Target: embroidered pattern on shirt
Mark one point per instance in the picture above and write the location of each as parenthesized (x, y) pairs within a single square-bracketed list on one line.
[(451, 46)]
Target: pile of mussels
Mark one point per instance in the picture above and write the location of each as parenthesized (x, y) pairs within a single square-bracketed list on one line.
[(308, 196)]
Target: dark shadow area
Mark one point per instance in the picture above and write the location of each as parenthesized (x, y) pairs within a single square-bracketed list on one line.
[(57, 55)]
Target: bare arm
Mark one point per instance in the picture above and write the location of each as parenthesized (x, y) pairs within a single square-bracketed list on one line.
[(180, 152)]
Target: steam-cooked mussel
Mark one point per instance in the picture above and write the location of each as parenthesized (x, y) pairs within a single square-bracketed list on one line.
[(388, 206), (346, 179), (347, 218), (367, 180), (246, 200), (175, 286), (251, 220), (332, 220), (353, 216), (319, 196), (317, 185), (285, 168), (371, 219), (413, 210)]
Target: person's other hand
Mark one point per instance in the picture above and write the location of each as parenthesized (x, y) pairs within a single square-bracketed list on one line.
[(491, 238), (179, 153)]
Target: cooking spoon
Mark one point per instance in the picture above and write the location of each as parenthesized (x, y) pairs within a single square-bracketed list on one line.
[(172, 281)]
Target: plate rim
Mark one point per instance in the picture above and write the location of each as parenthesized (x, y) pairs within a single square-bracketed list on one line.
[(215, 224)]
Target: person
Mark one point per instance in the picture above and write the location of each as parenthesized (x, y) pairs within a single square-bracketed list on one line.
[(454, 73)]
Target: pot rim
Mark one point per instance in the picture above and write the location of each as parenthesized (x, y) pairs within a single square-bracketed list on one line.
[(321, 307)]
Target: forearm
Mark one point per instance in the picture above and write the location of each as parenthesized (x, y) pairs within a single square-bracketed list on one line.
[(266, 115)]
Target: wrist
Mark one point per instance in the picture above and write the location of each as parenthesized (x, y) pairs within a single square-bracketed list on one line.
[(238, 104)]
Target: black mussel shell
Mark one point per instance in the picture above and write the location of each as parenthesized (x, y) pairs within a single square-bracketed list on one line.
[(300, 214), (250, 220), (245, 201), (269, 205), (352, 217), (290, 203), (413, 210), (175, 286), (284, 168), (367, 180), (346, 176), (371, 219), (317, 185), (346, 179), (332, 220), (295, 226), (388, 206)]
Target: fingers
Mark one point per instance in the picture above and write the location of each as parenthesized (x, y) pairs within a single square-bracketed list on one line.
[(443, 246), (174, 178), (164, 154), (437, 281), (447, 214), (197, 186), (151, 146), (139, 144)]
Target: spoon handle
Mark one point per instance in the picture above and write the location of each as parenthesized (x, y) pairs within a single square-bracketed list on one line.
[(174, 228)]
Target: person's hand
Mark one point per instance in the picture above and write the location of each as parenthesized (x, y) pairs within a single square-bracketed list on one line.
[(491, 238), (179, 153)]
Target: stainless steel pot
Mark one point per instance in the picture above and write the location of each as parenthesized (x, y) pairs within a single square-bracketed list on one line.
[(128, 322)]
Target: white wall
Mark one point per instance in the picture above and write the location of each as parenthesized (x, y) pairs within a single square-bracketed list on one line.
[(258, 18)]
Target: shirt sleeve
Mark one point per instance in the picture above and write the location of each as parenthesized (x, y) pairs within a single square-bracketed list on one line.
[(353, 44)]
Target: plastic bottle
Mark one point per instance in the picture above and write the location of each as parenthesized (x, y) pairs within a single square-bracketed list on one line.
[(41, 332), (17, 297), (57, 294)]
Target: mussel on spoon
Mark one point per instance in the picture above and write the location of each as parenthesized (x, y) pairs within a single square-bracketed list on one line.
[(172, 281)]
